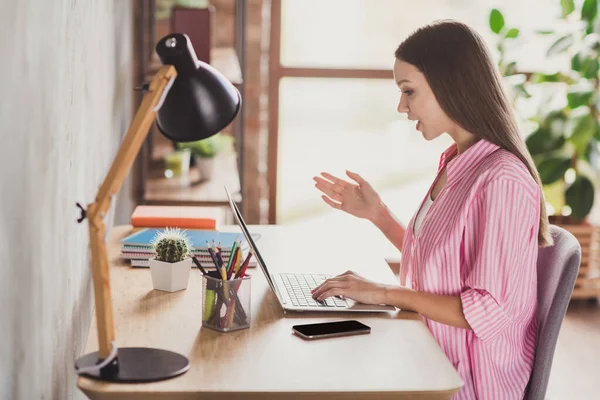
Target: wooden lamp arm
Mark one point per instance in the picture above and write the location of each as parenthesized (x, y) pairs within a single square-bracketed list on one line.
[(130, 147)]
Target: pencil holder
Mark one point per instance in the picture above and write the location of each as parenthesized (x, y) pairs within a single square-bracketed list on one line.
[(226, 304)]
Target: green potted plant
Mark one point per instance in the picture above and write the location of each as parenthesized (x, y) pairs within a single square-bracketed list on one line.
[(564, 141), (170, 267), (204, 152), (565, 123)]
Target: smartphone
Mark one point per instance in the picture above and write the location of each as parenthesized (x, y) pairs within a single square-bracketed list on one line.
[(330, 329)]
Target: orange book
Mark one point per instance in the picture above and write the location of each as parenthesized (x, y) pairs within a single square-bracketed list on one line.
[(186, 217)]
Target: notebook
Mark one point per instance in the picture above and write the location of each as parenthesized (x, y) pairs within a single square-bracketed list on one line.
[(198, 238), (187, 217)]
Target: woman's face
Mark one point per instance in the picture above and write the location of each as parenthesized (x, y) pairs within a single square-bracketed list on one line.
[(418, 101)]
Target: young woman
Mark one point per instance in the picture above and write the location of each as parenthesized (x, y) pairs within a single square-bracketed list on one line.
[(469, 253)]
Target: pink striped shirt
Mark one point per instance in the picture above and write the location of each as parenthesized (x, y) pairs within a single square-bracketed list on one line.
[(479, 241)]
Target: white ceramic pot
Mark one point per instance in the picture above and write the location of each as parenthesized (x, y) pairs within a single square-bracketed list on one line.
[(170, 277), (206, 167)]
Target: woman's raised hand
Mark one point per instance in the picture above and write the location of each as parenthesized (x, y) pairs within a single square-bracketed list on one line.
[(358, 199)]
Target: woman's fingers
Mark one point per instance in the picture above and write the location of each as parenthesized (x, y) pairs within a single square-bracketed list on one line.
[(338, 278), (324, 182), (335, 196), (327, 187), (328, 285), (328, 179), (330, 293), (335, 179), (357, 178), (332, 203)]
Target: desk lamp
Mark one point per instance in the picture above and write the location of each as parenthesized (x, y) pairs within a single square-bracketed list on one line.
[(190, 101)]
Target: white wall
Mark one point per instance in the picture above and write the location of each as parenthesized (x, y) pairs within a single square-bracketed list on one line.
[(66, 99)]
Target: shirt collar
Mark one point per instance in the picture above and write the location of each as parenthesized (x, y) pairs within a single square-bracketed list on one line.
[(456, 168)]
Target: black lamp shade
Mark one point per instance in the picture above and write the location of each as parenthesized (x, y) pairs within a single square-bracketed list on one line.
[(201, 102)]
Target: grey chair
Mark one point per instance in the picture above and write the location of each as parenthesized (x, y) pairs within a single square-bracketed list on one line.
[(557, 269)]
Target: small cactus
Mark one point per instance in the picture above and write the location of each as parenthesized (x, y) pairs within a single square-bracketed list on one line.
[(171, 245)]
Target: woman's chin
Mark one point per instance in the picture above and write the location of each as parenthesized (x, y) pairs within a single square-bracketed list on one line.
[(428, 136)]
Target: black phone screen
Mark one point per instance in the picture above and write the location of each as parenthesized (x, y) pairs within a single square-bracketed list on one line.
[(331, 328)]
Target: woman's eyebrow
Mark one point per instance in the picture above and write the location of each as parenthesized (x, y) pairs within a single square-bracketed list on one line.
[(401, 81)]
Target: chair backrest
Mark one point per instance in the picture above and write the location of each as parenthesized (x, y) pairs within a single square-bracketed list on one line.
[(557, 269)]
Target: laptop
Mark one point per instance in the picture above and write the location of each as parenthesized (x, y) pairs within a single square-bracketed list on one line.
[(293, 289)]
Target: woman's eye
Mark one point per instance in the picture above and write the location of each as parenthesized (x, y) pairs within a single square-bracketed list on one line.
[(408, 92)]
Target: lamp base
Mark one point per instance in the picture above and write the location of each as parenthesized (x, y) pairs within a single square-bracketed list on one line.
[(137, 364)]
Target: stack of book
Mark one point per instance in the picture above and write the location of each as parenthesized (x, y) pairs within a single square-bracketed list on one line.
[(137, 247)]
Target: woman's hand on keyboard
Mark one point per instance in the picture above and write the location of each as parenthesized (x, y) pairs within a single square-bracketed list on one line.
[(358, 199), (353, 286)]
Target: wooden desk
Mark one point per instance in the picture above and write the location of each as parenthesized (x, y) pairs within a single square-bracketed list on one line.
[(399, 359)]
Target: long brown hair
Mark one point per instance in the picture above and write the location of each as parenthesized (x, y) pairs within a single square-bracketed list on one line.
[(467, 85)]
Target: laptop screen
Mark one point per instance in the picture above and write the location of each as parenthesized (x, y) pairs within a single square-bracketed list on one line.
[(240, 221)]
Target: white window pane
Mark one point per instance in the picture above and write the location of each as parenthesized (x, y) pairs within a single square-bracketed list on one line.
[(337, 124), (365, 33)]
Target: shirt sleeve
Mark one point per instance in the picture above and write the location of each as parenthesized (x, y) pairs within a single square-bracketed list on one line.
[(503, 223)]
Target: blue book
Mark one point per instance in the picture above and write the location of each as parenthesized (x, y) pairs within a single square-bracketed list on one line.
[(198, 238)]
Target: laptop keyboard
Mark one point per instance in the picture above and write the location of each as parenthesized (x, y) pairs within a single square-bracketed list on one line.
[(298, 287)]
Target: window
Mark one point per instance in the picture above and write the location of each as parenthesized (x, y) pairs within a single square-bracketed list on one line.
[(331, 118)]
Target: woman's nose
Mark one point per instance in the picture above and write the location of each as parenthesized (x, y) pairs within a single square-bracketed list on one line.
[(403, 107)]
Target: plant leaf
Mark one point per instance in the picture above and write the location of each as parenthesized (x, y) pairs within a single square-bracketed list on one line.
[(576, 62), (590, 67), (510, 69), (208, 147), (555, 77), (589, 10), (522, 91), (512, 33), (576, 98), (542, 142), (583, 129), (496, 21), (580, 197), (553, 169), (567, 7), (560, 45)]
